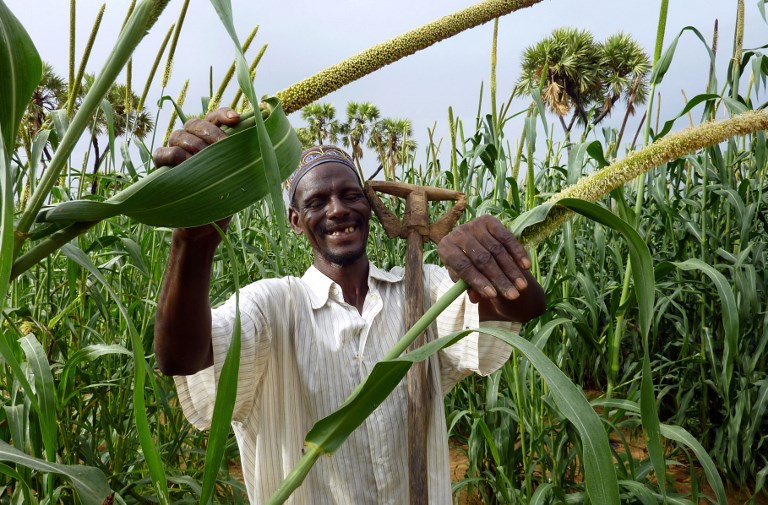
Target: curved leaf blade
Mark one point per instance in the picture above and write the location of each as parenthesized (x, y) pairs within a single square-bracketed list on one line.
[(90, 483), (20, 72), (219, 181), (226, 392), (682, 436), (44, 391)]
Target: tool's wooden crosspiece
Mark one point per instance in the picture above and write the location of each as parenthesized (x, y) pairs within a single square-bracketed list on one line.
[(416, 217)]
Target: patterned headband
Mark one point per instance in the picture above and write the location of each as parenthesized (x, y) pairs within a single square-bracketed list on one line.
[(315, 156)]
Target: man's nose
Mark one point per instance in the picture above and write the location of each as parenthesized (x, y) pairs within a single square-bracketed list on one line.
[(337, 207)]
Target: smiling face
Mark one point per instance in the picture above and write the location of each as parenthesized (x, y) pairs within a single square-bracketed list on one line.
[(331, 210)]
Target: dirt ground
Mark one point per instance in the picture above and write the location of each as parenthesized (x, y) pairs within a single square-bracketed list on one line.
[(680, 474)]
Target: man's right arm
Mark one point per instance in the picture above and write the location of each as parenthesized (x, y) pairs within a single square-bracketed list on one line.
[(183, 321)]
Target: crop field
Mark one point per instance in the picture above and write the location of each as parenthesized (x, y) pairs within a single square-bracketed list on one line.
[(646, 380)]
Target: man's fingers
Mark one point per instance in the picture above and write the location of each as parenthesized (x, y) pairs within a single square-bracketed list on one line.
[(223, 116), (488, 257), (196, 136), (169, 156), (496, 267), (187, 141), (204, 130), (476, 266), (509, 265), (510, 242)]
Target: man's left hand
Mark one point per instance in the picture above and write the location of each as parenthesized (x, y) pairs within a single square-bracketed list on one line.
[(494, 264)]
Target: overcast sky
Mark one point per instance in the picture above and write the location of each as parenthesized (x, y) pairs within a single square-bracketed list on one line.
[(306, 36)]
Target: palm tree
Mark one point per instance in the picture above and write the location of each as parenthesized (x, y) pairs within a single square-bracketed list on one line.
[(577, 74), (361, 120), (50, 94), (306, 137), (565, 66), (391, 138), (321, 122), (128, 120), (625, 66)]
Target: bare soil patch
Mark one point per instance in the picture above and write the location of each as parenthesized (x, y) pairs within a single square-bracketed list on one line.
[(680, 474)]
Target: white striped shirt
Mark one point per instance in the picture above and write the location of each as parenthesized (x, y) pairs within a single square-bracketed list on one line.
[(304, 350)]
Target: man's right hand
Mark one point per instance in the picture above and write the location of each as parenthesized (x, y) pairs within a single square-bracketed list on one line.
[(196, 135)]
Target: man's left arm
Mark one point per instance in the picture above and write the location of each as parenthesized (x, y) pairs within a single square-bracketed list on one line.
[(496, 267)]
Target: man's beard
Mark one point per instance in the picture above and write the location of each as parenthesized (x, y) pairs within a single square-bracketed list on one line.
[(346, 258)]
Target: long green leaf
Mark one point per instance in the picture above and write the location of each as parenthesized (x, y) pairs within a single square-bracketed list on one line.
[(6, 222), (217, 182), (20, 72), (46, 396), (226, 392), (327, 435), (758, 409), (89, 482), (88, 353), (680, 435), (642, 266), (643, 277), (660, 69), (689, 105)]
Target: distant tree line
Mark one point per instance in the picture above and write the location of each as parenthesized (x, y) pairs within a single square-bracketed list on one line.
[(390, 138)]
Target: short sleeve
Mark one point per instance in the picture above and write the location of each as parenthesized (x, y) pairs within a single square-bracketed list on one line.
[(477, 352), (197, 393)]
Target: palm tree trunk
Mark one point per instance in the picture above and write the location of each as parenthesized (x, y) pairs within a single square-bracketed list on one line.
[(99, 157)]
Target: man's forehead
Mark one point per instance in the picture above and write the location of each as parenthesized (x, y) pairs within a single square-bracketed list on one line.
[(328, 175)]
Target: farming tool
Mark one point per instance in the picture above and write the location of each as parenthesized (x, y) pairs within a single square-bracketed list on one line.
[(416, 228)]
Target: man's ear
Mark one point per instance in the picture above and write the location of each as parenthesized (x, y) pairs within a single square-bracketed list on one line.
[(293, 218)]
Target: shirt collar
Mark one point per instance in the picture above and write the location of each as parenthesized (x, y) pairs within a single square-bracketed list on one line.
[(320, 286)]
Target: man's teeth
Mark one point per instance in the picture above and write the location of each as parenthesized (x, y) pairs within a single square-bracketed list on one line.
[(348, 229)]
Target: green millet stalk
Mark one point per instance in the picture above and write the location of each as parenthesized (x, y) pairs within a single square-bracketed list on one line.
[(216, 98), (174, 41), (128, 102), (72, 33), (332, 78), (172, 121), (152, 71), (738, 49), (74, 86), (669, 148)]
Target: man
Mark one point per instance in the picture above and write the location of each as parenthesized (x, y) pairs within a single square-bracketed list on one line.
[(307, 342)]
